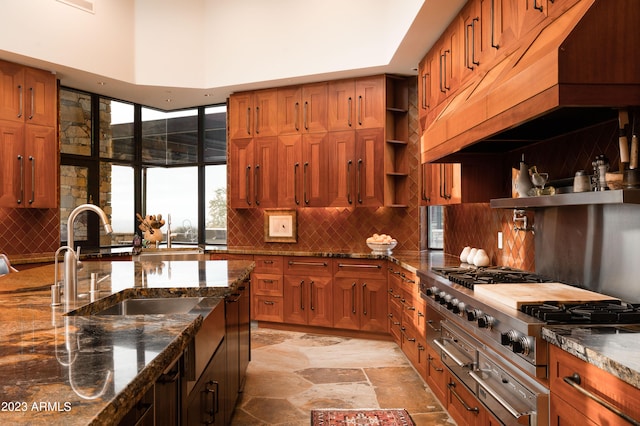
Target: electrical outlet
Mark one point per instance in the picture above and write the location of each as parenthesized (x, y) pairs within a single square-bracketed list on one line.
[(499, 240)]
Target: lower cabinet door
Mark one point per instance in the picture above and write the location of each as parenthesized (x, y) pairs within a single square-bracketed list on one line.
[(206, 402), (462, 404)]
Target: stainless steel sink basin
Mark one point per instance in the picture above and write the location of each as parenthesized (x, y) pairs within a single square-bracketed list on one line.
[(171, 305)]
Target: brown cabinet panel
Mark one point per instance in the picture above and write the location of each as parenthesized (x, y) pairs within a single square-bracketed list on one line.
[(370, 102), (41, 170), (267, 284), (565, 367), (268, 264), (342, 168), (302, 109), (436, 376), (253, 114), (307, 300), (341, 100), (268, 308), (368, 167), (241, 154), (315, 169), (461, 404)]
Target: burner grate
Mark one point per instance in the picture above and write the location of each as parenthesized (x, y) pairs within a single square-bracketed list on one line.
[(605, 312), (468, 277)]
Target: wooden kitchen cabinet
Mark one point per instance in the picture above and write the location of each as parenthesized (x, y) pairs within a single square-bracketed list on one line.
[(461, 404), (253, 178), (356, 103), (302, 109), (303, 170), (253, 114), (206, 402), (267, 289), (568, 405), (29, 95), (369, 182), (360, 295), (477, 180), (435, 375), (308, 291), (28, 138)]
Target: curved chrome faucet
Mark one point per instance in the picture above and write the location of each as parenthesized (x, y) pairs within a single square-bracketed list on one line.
[(71, 258)]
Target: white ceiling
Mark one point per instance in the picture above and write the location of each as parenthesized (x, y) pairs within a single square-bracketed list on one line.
[(197, 52)]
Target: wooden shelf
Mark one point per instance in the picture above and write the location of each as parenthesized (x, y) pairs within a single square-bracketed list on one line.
[(622, 196)]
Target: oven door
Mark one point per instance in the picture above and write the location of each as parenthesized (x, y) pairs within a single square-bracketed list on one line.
[(459, 353), (513, 398)]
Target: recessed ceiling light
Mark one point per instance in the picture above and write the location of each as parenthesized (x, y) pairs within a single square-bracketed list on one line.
[(168, 100), (101, 83), (208, 94)]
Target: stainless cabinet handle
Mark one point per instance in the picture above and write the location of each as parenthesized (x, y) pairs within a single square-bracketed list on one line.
[(268, 281), (32, 103), (248, 184), (536, 6), (349, 102), (574, 381), (21, 102), (364, 299), (358, 171), (296, 114), (440, 75), (256, 186), (425, 100), (268, 262), (360, 110), (467, 55), (295, 183), (304, 115), (515, 413), (452, 356), (353, 298), (21, 160), (269, 302), (214, 399), (430, 361), (33, 179), (248, 121), (305, 183), (452, 386), (295, 262), (349, 200), (473, 41), (493, 25), (311, 305), (302, 295), (358, 265), (257, 125)]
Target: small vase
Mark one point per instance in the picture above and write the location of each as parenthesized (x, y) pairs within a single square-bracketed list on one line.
[(523, 180)]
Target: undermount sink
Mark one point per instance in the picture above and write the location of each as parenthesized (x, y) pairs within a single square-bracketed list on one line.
[(168, 305)]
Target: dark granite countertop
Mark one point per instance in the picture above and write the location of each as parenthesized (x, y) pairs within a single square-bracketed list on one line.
[(612, 348), (79, 370)]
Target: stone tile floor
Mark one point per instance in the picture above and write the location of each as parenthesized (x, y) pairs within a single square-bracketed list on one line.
[(291, 373)]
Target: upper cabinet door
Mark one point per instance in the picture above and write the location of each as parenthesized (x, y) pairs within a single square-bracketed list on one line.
[(12, 92), (341, 100), (302, 109), (253, 114), (41, 97), (370, 102)]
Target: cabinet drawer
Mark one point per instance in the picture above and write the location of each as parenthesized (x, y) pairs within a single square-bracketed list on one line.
[(592, 379), (268, 264), (268, 308), (360, 268), (316, 266), (267, 284)]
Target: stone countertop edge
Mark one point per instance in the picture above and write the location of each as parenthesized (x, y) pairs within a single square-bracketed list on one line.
[(26, 301), (602, 346)]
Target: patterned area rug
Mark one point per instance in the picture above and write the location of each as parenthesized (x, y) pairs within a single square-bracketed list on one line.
[(377, 416)]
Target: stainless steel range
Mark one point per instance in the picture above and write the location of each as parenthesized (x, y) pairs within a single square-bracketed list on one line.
[(496, 350)]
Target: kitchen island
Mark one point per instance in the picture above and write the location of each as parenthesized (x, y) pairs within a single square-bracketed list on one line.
[(92, 369)]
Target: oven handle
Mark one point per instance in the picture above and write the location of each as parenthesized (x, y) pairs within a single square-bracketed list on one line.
[(452, 356), (515, 413), (574, 382)]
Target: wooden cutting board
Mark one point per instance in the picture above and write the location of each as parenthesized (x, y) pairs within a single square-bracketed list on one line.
[(516, 295)]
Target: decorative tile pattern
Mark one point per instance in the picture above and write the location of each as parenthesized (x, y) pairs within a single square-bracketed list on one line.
[(29, 231)]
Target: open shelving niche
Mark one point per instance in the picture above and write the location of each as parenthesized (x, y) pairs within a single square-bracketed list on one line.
[(620, 196), (397, 151)]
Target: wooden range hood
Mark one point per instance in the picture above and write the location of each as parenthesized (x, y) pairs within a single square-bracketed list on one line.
[(573, 72)]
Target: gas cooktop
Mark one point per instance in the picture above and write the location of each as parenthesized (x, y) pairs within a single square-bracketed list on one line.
[(470, 276), (603, 312)]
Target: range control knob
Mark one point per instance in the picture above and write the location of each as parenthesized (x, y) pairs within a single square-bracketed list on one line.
[(473, 314), (458, 308), (485, 321), (452, 303), (444, 298), (521, 345), (438, 295), (431, 291), (509, 337)]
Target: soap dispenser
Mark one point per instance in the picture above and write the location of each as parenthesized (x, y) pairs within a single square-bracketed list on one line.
[(523, 180)]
